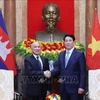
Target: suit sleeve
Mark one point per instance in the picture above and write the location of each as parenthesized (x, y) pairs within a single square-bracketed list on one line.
[(82, 64), (56, 69), (48, 79)]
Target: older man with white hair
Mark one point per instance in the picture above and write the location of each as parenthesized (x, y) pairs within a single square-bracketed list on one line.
[(37, 87)]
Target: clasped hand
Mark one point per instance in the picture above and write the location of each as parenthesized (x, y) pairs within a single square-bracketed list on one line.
[(47, 73)]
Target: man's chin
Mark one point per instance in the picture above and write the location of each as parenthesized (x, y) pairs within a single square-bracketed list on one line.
[(51, 27)]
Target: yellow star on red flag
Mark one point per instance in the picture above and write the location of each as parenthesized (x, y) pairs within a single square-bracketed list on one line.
[(93, 50), (95, 46)]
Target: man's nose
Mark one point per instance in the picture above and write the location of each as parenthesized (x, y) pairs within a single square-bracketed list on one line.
[(68, 42), (51, 15)]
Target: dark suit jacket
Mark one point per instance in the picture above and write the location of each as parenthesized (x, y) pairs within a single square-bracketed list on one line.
[(34, 74), (74, 75)]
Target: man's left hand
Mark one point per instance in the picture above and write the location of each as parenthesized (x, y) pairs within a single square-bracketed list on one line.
[(80, 91), (48, 92)]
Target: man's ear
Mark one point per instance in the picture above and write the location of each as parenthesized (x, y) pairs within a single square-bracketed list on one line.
[(42, 18)]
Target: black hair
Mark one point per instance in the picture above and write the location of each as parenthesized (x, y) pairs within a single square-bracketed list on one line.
[(69, 35)]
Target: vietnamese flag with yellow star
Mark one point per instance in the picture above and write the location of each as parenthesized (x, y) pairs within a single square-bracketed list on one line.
[(93, 50)]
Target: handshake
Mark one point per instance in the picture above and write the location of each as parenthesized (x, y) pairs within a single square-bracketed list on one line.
[(47, 73)]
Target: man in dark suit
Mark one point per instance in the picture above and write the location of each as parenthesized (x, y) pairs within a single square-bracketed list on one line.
[(37, 87), (72, 67)]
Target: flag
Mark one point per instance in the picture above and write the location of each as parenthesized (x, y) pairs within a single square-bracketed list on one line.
[(7, 60), (93, 50)]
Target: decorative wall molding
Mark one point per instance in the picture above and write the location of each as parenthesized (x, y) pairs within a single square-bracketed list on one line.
[(21, 20), (81, 27)]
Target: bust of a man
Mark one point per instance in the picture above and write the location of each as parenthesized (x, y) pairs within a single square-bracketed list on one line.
[(50, 15)]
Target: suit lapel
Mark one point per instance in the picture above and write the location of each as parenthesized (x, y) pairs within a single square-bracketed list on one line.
[(34, 61), (72, 56), (42, 62), (32, 58), (63, 58)]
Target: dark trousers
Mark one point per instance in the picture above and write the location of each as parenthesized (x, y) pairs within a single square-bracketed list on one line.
[(67, 96), (41, 96), (29, 97)]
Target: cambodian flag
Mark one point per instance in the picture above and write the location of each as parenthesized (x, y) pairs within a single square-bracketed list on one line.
[(7, 60)]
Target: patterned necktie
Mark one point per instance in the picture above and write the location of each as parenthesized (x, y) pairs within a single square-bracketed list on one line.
[(39, 62), (66, 58)]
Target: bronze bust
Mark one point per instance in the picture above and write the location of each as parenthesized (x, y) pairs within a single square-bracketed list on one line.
[(50, 15)]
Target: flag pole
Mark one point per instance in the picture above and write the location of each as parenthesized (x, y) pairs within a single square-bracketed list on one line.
[(95, 9)]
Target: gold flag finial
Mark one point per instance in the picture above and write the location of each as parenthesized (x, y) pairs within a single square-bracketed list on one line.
[(95, 9)]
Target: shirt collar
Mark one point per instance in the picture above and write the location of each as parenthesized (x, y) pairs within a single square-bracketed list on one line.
[(71, 50), (36, 56)]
